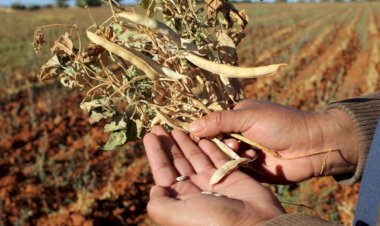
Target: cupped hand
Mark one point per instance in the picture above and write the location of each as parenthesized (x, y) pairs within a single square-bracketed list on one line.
[(243, 200), (291, 133)]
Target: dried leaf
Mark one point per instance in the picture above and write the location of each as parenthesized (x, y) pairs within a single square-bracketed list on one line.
[(50, 69), (149, 5), (139, 128), (227, 49), (39, 40), (92, 53), (63, 46), (240, 17), (212, 6), (67, 82)]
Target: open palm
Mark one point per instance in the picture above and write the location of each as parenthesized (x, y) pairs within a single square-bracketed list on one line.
[(243, 201)]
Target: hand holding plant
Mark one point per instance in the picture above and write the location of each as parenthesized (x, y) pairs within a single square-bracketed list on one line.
[(291, 133)]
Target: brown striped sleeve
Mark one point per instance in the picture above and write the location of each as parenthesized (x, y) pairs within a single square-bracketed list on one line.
[(365, 112), (297, 219)]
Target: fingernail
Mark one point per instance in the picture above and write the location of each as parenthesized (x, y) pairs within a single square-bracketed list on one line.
[(195, 127), (195, 138), (231, 143)]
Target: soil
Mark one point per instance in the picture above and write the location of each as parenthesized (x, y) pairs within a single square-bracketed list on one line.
[(52, 171)]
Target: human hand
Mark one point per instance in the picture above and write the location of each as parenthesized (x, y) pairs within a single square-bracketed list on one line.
[(291, 133), (244, 201)]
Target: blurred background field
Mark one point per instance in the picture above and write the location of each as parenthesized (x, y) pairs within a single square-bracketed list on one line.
[(52, 171)]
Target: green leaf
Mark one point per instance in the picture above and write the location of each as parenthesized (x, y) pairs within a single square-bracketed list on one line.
[(136, 129), (115, 125), (98, 108), (125, 36), (95, 103), (116, 139), (98, 114), (70, 70)]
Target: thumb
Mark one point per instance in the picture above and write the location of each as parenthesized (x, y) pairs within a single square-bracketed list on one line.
[(232, 121)]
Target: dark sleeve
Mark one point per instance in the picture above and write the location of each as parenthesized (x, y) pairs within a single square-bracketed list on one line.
[(365, 112), (298, 219)]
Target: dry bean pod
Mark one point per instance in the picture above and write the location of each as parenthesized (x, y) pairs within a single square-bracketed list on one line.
[(226, 169), (223, 147), (144, 63), (153, 24), (232, 71)]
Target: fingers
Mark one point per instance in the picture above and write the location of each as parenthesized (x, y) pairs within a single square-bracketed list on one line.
[(250, 153), (217, 157), (163, 171), (181, 164), (157, 192), (247, 103), (232, 143), (193, 153), (236, 121)]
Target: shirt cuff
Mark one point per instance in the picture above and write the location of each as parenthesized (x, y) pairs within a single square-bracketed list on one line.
[(365, 112), (297, 219)]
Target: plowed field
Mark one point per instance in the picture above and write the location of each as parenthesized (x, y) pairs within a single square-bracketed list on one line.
[(52, 171)]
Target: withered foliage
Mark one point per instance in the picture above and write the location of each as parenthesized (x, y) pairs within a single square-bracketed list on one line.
[(138, 72)]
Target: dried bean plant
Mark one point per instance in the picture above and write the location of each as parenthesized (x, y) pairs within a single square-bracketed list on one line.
[(138, 72)]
